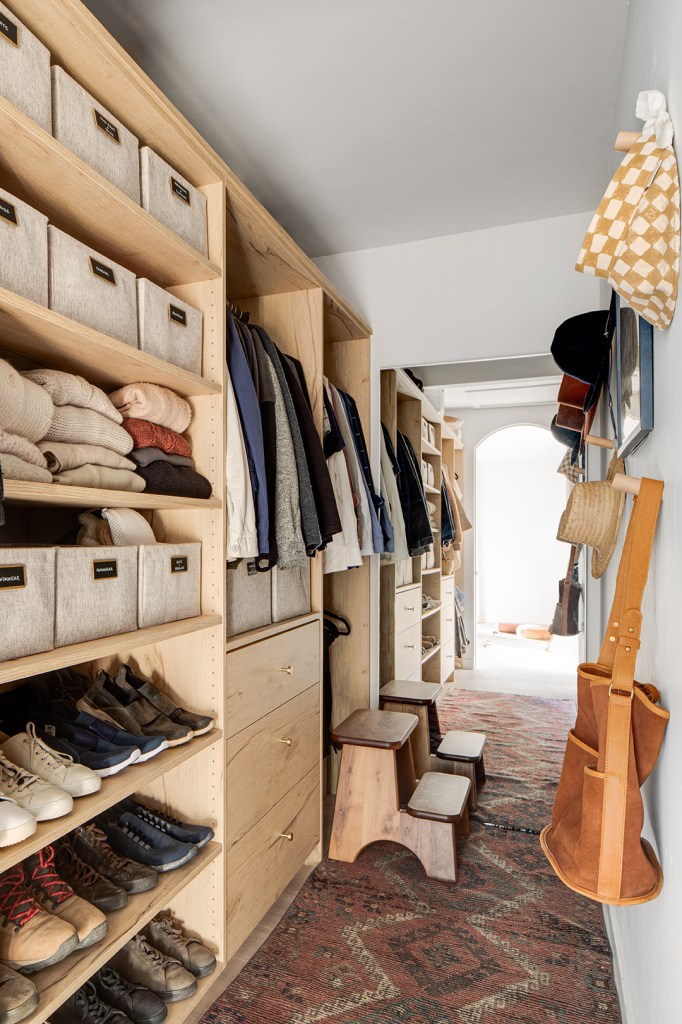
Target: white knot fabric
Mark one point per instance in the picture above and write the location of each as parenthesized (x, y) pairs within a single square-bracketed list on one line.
[(653, 109)]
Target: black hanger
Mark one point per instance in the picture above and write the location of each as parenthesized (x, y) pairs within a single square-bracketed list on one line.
[(339, 618), (238, 313)]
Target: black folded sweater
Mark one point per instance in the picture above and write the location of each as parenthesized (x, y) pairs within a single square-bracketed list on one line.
[(182, 481)]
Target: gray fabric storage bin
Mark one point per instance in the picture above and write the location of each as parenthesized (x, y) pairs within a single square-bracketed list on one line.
[(168, 328), (249, 601), (23, 249), (88, 129), (96, 593), (27, 596), (24, 70), (290, 592), (91, 288), (172, 200), (169, 583)]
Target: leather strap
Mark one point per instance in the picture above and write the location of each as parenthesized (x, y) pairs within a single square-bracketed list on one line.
[(619, 653)]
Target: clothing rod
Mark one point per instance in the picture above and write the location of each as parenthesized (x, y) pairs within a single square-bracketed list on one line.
[(628, 484)]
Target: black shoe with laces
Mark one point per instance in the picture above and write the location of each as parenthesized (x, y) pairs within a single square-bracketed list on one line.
[(85, 1007), (136, 1001), (183, 831), (87, 882), (91, 845), (136, 839)]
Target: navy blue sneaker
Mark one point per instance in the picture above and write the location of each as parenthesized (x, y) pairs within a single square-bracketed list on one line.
[(149, 746), (88, 749), (136, 839), (184, 832)]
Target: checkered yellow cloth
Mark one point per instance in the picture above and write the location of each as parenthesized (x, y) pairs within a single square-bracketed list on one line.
[(634, 238)]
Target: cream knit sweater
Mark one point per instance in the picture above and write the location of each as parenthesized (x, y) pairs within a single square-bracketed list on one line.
[(25, 409)]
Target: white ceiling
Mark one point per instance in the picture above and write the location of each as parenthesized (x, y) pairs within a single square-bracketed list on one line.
[(503, 393), (363, 123)]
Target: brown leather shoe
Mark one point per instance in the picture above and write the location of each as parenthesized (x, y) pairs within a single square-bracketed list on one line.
[(144, 965), (30, 939), (166, 935), (18, 996), (57, 897), (86, 882)]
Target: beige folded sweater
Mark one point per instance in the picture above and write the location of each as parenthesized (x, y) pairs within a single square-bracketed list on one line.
[(12, 444), (16, 469), (155, 404), (101, 477), (85, 426), (70, 389), (61, 456), (25, 409)]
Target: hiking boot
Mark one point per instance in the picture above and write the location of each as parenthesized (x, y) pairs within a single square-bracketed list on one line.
[(92, 847), (168, 937), (57, 897), (30, 939), (85, 748), (115, 701), (16, 824), (140, 963), (182, 831), (41, 799), (149, 746), (86, 882), (136, 1001), (18, 996), (198, 724), (30, 752), (135, 838), (85, 1007)]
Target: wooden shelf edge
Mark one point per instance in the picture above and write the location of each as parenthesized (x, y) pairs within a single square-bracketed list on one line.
[(432, 611), (115, 788), (430, 654), (28, 492), (178, 1013), (429, 449), (39, 333), (104, 647), (57, 983), (253, 636), (431, 490), (429, 572)]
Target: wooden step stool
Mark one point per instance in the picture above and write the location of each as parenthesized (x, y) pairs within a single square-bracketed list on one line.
[(462, 753), (376, 779), (414, 698)]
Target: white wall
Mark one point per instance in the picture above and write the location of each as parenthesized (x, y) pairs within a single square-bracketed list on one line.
[(519, 500), (648, 937), (482, 294)]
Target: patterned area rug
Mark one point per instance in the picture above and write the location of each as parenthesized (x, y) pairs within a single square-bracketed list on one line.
[(376, 942)]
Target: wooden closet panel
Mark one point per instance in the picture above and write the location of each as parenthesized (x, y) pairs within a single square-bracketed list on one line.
[(408, 609)]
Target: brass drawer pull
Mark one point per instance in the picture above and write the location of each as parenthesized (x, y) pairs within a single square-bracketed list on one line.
[(288, 740), (289, 669), (289, 836)]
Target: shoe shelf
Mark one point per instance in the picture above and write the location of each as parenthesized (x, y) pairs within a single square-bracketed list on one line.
[(430, 653), (178, 1013), (58, 982), (43, 335), (114, 788), (81, 202), (104, 647), (430, 612), (27, 492)]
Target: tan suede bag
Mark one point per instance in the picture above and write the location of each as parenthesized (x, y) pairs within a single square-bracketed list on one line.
[(594, 841)]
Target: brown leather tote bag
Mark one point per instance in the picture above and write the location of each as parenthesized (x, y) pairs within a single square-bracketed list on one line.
[(594, 841)]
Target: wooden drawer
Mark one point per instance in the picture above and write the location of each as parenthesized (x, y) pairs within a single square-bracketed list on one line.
[(268, 758), (265, 675), (447, 661), (408, 609), (408, 651), (261, 866), (447, 624), (447, 591)]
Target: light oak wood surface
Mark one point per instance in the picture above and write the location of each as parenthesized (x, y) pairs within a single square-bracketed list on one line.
[(28, 492), (387, 730), (253, 636)]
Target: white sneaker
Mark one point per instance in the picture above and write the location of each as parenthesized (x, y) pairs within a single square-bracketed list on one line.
[(33, 754), (42, 800), (16, 823)]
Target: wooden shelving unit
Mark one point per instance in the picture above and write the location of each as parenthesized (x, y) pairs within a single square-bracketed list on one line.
[(27, 492)]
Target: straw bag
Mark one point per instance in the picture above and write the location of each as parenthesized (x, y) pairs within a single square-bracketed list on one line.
[(634, 238), (594, 840)]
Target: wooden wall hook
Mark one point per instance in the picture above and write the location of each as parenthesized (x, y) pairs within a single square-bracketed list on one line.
[(599, 442), (628, 484), (625, 141)]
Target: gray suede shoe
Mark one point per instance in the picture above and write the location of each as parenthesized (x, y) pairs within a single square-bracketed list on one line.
[(166, 935), (144, 965), (114, 700), (199, 724), (18, 996)]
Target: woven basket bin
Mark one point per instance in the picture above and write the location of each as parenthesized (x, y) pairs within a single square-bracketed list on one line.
[(168, 328), (172, 200), (169, 583), (249, 598), (78, 290), (88, 129), (24, 70), (96, 593), (27, 598), (23, 249)]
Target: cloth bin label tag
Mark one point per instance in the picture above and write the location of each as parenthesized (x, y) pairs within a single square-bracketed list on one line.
[(179, 564), (12, 577), (178, 316), (8, 212), (9, 30), (101, 270), (180, 191), (105, 569), (105, 125)]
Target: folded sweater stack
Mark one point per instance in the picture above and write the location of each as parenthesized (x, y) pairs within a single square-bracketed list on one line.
[(155, 419), (85, 445), (25, 418)]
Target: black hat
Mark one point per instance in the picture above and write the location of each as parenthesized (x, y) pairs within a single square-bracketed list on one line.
[(581, 348), (570, 438)]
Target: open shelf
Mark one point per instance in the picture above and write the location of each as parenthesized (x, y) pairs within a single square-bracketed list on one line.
[(57, 983), (180, 1012), (28, 492), (80, 201), (431, 490), (39, 333), (253, 636), (104, 647), (115, 788), (405, 388), (429, 449), (406, 586), (429, 572), (430, 654), (430, 612)]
